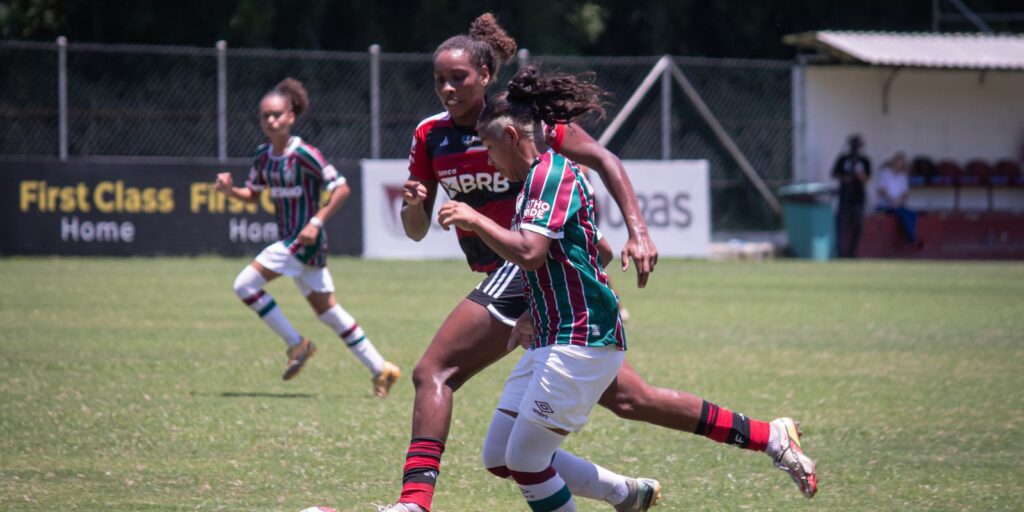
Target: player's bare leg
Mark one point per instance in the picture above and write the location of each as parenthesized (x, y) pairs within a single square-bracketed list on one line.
[(469, 340), (631, 397)]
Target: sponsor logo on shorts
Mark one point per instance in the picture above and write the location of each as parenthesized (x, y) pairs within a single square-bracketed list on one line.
[(543, 409)]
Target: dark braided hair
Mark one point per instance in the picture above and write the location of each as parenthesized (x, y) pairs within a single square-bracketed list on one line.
[(487, 43), (294, 92), (532, 98)]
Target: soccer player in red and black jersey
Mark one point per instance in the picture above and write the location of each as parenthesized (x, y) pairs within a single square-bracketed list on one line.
[(446, 153), (294, 172)]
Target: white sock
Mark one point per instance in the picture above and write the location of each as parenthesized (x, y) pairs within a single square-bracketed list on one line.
[(248, 288), (342, 323), (528, 456), (583, 477), (774, 441), (589, 480)]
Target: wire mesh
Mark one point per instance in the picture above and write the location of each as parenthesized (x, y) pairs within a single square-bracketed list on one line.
[(28, 99), (159, 101)]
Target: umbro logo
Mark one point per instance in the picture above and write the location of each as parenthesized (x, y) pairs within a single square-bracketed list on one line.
[(543, 407)]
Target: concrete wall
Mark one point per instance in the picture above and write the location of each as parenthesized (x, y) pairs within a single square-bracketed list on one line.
[(959, 115)]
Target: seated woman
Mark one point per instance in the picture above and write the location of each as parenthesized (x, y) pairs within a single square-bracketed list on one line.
[(893, 188)]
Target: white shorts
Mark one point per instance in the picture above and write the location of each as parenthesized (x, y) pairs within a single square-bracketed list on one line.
[(558, 385), (277, 258)]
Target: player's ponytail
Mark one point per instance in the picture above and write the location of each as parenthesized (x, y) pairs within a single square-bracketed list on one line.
[(487, 43), (532, 97), (293, 91)]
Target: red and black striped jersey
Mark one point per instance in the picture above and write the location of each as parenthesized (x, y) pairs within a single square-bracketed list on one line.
[(454, 158)]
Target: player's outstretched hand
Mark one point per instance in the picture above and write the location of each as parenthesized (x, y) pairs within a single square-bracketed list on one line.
[(523, 333), (414, 192), (224, 182), (454, 213), (644, 254)]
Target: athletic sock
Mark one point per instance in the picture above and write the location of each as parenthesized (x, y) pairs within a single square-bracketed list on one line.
[(248, 286), (545, 491), (724, 426), (422, 466), (584, 478), (342, 323), (590, 480)]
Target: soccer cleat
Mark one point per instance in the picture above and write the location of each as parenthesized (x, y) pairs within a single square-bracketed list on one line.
[(297, 357), (790, 458), (401, 507), (383, 381), (644, 493)]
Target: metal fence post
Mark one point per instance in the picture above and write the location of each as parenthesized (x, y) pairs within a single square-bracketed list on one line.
[(666, 113), (375, 101), (62, 98), (222, 100)]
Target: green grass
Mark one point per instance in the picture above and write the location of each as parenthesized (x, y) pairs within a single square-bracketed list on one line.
[(143, 384)]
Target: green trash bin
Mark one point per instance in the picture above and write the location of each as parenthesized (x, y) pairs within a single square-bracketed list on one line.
[(807, 215)]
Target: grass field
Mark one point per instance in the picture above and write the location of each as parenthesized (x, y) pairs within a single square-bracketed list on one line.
[(144, 384)]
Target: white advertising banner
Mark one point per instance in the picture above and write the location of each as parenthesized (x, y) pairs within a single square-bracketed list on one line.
[(672, 194), (675, 201)]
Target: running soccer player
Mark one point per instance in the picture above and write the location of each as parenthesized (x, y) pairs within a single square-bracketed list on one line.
[(295, 173), (574, 335), (446, 152)]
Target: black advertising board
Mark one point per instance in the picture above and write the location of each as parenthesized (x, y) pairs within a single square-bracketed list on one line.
[(147, 209)]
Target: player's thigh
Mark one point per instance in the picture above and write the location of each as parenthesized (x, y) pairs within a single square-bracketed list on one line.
[(468, 341)]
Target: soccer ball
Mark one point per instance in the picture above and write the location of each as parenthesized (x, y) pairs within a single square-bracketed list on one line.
[(318, 509)]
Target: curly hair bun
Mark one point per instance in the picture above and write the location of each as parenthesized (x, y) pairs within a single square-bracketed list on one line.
[(295, 93), (485, 28)]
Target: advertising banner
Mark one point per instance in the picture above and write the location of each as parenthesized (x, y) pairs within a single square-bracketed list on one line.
[(146, 209), (672, 194)]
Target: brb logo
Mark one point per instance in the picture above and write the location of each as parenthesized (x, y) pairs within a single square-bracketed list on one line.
[(467, 183)]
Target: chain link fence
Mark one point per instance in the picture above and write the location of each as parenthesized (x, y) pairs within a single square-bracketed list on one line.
[(167, 103)]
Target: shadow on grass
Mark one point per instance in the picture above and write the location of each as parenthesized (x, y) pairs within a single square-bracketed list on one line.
[(255, 394)]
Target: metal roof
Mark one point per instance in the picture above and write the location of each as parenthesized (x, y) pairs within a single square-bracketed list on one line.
[(928, 50)]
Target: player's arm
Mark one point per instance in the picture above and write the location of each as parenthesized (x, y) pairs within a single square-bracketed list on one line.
[(579, 146), (226, 185), (312, 229), (419, 197), (604, 252), (524, 248)]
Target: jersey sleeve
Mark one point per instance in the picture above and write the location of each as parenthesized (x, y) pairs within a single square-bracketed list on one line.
[(419, 157), (256, 180), (313, 163), (554, 135), (551, 198)]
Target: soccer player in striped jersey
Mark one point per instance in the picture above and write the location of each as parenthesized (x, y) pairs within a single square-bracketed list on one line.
[(294, 173), (446, 153), (573, 330)]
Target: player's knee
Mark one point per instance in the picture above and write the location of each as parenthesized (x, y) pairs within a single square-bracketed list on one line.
[(248, 283), (496, 443), (433, 373)]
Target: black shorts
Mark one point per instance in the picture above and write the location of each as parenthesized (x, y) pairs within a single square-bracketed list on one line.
[(501, 292)]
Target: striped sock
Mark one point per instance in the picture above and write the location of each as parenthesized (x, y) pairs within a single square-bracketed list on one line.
[(422, 466), (263, 304), (342, 323), (724, 426), (545, 491)]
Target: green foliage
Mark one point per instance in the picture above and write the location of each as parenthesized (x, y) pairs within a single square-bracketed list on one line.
[(143, 384), (737, 28)]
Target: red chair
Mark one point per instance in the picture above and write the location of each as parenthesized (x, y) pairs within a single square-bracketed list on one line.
[(1005, 172), (976, 172), (922, 169), (948, 173)]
